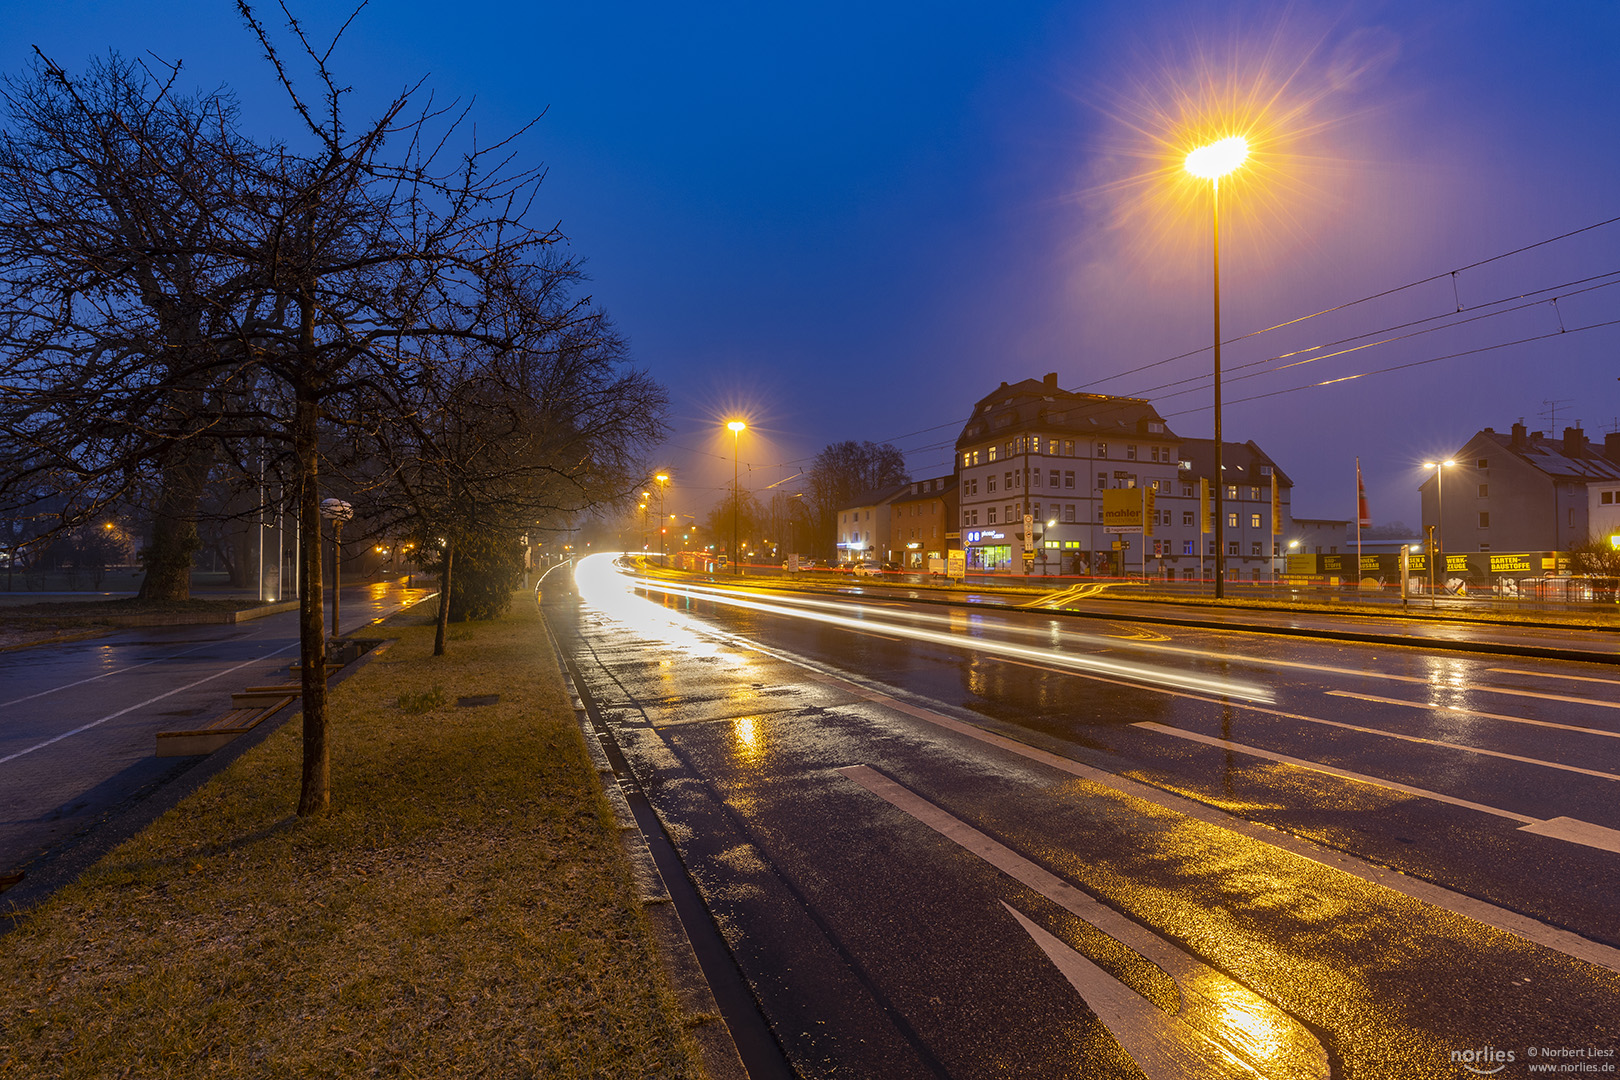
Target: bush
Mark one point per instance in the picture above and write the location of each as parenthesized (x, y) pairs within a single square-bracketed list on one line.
[(487, 570)]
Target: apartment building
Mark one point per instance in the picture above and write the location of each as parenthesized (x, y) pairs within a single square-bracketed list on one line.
[(922, 522)]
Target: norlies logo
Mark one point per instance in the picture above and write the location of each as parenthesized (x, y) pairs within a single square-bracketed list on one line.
[(1475, 1060)]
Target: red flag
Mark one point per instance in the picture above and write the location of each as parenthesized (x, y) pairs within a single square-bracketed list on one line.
[(1363, 516)]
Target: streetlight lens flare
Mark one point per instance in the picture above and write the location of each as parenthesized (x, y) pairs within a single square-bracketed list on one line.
[(1216, 159), (737, 425)]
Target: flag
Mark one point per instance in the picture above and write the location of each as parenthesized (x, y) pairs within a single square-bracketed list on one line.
[(1363, 516)]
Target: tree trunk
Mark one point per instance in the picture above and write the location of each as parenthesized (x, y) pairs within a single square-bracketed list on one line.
[(174, 526), (444, 597), (315, 797)]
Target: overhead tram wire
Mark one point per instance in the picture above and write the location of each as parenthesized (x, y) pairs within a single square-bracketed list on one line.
[(1560, 332), (1352, 303), (1199, 382)]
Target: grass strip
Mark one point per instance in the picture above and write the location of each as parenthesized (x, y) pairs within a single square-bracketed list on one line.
[(466, 910)]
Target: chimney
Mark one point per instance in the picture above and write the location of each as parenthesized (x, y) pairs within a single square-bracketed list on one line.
[(1574, 441), (1051, 380), (1518, 435), (1611, 446)]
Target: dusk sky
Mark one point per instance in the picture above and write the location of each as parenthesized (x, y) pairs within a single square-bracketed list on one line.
[(850, 221)]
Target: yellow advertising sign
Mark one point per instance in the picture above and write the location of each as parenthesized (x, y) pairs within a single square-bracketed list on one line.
[(1122, 510), (1152, 515), (1206, 519), (1512, 564), (1276, 506)]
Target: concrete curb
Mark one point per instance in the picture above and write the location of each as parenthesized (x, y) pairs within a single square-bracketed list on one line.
[(705, 1022)]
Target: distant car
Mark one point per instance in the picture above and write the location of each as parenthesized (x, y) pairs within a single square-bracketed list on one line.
[(867, 569)]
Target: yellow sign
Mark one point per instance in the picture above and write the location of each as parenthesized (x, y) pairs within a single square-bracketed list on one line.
[(1510, 564), (1152, 515), (1122, 510), (956, 563), (1206, 519), (1276, 505)]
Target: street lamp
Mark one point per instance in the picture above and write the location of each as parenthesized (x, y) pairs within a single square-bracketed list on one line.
[(1211, 162), (662, 478), (337, 512), (1439, 537), (736, 427)]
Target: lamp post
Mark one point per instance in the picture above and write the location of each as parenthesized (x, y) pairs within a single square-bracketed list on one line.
[(662, 478), (337, 512), (1211, 162), (1438, 546), (736, 427)]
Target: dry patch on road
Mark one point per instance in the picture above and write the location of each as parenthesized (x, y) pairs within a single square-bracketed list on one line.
[(467, 910)]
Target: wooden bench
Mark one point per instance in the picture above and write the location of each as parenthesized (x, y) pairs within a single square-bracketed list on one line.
[(249, 708)]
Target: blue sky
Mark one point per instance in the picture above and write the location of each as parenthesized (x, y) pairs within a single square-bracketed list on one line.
[(849, 221)]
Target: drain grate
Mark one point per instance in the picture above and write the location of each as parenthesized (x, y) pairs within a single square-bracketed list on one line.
[(477, 699)]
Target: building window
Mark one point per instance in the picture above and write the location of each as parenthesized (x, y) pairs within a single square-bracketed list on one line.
[(1485, 519), (1231, 521), (1276, 548), (1051, 448), (1231, 491), (1068, 480), (1572, 517), (1008, 518), (1130, 452), (990, 482), (1254, 521), (1608, 497), (1187, 547), (1254, 493), (1068, 448), (1211, 546), (1186, 517), (1254, 548), (1265, 470), (1484, 463), (1102, 480), (1186, 491), (1035, 478), (1054, 478), (1484, 491), (1102, 449), (1232, 547), (1068, 512), (990, 454), (991, 515)]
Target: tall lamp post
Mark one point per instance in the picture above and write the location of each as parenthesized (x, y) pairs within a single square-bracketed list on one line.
[(1211, 162), (662, 478), (337, 512), (1438, 546), (736, 427)]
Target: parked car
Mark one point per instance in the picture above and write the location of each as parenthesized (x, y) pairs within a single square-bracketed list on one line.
[(867, 569)]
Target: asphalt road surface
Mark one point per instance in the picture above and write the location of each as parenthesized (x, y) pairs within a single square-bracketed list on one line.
[(78, 723), (947, 842)]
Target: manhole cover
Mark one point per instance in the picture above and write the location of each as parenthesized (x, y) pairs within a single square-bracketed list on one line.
[(477, 699)]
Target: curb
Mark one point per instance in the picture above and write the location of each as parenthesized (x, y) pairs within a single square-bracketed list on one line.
[(704, 1019)]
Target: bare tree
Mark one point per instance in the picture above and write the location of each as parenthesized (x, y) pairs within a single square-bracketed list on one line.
[(841, 473)]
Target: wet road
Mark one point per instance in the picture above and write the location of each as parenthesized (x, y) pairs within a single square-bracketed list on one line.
[(78, 722), (947, 842)]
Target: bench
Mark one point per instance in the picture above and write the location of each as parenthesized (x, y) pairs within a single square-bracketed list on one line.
[(249, 708)]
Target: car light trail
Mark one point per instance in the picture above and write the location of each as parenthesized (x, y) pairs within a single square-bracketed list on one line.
[(606, 588)]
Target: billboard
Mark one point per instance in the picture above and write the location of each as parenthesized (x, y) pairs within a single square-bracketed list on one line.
[(1122, 510)]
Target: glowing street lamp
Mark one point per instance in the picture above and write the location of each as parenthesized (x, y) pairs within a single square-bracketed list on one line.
[(1438, 545), (662, 478), (1211, 162), (736, 427)]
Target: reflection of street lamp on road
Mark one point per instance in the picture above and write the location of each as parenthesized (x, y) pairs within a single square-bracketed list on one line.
[(1438, 539), (736, 427), (1211, 162), (337, 512)]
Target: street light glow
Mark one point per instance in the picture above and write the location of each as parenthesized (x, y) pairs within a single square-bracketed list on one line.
[(1216, 159), (736, 426)]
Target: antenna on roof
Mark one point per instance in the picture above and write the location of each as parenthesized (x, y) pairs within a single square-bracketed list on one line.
[(1551, 413)]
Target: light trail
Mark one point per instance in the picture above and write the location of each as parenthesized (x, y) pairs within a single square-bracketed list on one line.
[(606, 588)]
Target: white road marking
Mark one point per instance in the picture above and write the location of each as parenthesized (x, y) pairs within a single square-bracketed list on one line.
[(140, 704), (1552, 675), (120, 671), (1560, 828), (1471, 712), (1438, 896), (1210, 1035)]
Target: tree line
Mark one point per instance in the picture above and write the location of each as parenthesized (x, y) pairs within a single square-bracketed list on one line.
[(373, 309)]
